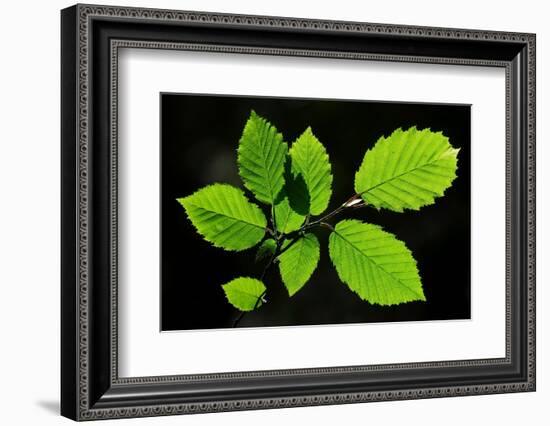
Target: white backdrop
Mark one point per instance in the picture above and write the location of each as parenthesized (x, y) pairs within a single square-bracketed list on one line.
[(29, 217), (146, 352)]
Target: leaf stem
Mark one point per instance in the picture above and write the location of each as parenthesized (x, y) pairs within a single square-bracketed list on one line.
[(270, 232), (274, 222), (327, 225)]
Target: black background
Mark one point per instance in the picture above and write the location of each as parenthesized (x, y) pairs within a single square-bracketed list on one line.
[(199, 138)]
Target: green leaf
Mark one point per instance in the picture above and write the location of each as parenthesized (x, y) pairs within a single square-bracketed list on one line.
[(407, 170), (295, 190), (298, 261), (266, 249), (224, 217), (374, 264), (286, 219), (261, 158), (310, 159), (244, 293)]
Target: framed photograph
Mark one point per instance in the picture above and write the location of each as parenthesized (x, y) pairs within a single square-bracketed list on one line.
[(263, 212)]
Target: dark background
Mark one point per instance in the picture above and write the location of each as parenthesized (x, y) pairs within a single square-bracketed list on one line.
[(199, 139)]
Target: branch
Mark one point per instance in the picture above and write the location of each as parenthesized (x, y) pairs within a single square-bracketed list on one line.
[(353, 202), (262, 276)]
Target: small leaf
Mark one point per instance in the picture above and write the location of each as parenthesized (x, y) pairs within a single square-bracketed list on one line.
[(310, 160), (244, 293), (261, 158), (298, 261), (407, 170), (266, 249), (295, 190), (224, 217), (286, 219), (374, 264)]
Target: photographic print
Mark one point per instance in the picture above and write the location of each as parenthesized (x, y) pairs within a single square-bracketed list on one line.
[(293, 212), (348, 206)]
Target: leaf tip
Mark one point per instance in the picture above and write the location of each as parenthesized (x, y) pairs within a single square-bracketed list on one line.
[(308, 131)]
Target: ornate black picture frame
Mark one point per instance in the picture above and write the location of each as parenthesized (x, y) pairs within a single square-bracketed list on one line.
[(91, 386)]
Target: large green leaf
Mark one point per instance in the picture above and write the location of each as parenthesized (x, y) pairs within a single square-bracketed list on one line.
[(261, 158), (310, 160), (407, 170), (286, 219), (223, 216), (298, 261), (374, 264), (244, 293)]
